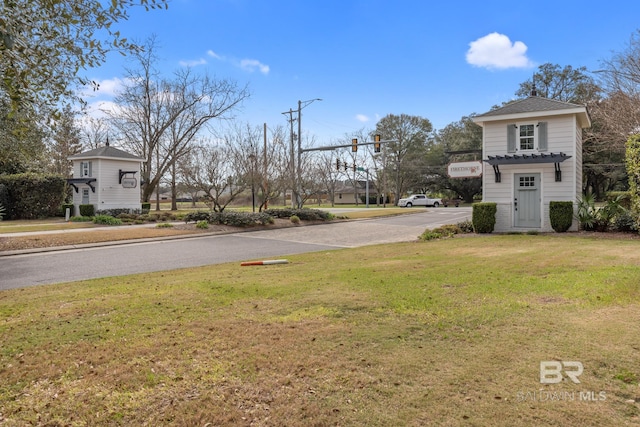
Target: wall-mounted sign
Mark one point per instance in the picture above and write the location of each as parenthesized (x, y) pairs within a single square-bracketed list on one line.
[(465, 169), (129, 183)]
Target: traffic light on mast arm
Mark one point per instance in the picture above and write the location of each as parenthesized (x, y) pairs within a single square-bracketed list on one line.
[(354, 145), (338, 164), (376, 145)]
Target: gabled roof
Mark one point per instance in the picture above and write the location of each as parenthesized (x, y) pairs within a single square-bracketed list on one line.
[(105, 152), (535, 106)]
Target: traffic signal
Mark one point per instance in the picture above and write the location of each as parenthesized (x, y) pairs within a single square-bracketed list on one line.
[(354, 167), (337, 164), (354, 145), (376, 145)]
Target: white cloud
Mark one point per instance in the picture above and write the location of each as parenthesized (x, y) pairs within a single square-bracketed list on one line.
[(497, 51), (213, 54), (252, 64), (362, 118), (193, 62), (249, 65)]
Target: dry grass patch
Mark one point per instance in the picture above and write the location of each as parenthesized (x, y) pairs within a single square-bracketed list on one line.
[(411, 334), (93, 236)]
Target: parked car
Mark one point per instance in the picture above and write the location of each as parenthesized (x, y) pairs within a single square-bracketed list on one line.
[(419, 200)]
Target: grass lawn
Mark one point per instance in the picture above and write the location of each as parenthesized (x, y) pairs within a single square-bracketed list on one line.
[(449, 332)]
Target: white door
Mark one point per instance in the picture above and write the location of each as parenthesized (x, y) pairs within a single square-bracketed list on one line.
[(85, 196), (527, 200)]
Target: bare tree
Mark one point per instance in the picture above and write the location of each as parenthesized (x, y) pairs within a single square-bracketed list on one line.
[(95, 132), (213, 170), (620, 76), (329, 174), (159, 118), (274, 166)]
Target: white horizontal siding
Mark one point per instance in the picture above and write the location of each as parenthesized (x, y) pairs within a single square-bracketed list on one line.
[(560, 133), (111, 193)]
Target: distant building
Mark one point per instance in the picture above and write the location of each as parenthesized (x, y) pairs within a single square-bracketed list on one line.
[(107, 178), (346, 192)]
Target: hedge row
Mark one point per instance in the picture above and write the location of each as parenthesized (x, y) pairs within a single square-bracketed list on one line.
[(304, 214), (30, 195), (243, 219), (233, 218)]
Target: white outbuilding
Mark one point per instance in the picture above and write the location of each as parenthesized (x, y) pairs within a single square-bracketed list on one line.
[(532, 155), (107, 178)]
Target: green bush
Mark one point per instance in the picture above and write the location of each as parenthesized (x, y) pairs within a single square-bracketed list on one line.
[(196, 216), (561, 215), (626, 222), (202, 224), (623, 198), (125, 216), (146, 207), (87, 210), (164, 225), (164, 216), (443, 231), (594, 218), (80, 219), (294, 219), (429, 235), (118, 211), (465, 226), (106, 220), (483, 216)]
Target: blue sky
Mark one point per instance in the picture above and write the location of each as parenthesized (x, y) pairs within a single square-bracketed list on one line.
[(441, 60)]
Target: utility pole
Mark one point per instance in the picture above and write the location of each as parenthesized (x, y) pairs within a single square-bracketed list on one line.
[(292, 160), (299, 171), (299, 175), (296, 170), (264, 180)]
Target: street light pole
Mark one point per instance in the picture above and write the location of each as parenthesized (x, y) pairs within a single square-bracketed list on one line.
[(299, 169)]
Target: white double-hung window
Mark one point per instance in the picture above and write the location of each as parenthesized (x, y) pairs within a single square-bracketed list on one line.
[(85, 169), (524, 137)]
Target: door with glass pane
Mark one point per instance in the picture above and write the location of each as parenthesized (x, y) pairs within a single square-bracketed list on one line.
[(527, 200)]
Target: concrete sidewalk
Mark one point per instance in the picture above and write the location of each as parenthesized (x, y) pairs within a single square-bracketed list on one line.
[(78, 230)]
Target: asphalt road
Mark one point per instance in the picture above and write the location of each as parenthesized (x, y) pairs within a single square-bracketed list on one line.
[(22, 270)]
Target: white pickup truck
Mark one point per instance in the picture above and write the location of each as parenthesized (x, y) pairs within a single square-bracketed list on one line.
[(419, 200)]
